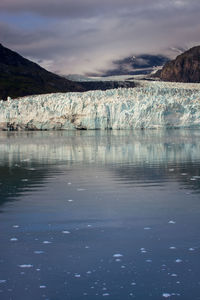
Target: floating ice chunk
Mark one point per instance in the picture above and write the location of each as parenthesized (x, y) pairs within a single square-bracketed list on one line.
[(46, 242), (66, 232), (133, 283), (80, 190), (77, 275), (14, 239), (172, 222), (42, 286), (191, 249), (147, 228), (15, 226), (2, 281), (70, 200), (178, 260), (38, 252), (183, 174), (174, 275), (148, 260), (172, 248), (105, 294), (166, 295), (26, 266), (117, 255)]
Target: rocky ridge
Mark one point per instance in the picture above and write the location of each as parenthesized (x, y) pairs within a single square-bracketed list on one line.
[(185, 68)]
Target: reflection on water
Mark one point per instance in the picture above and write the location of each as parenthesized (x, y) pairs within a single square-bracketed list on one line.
[(151, 147), (100, 214)]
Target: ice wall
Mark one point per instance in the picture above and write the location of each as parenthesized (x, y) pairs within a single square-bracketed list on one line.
[(154, 105)]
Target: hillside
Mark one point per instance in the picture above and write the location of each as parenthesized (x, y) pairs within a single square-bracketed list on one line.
[(21, 77), (185, 68)]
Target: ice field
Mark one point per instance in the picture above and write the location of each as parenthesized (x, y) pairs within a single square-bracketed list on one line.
[(149, 105)]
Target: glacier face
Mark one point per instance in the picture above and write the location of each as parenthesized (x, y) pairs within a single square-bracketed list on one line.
[(150, 105)]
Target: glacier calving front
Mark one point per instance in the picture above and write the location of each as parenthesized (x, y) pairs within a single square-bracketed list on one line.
[(152, 105)]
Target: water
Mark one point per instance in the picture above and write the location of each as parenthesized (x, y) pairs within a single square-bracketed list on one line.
[(94, 215)]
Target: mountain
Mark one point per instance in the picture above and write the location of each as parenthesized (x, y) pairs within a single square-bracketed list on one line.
[(135, 65), (20, 77), (185, 68)]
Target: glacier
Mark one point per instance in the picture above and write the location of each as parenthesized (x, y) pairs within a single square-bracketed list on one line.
[(149, 105)]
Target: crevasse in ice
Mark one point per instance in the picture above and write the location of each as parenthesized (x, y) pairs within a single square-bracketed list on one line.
[(152, 105)]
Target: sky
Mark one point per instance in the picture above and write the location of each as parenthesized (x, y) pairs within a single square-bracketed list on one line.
[(84, 36)]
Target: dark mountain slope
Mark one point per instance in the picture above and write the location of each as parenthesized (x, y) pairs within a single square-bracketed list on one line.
[(20, 77), (185, 68)]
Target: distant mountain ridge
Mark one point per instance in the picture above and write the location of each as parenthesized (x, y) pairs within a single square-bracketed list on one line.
[(185, 68), (20, 77), (135, 65)]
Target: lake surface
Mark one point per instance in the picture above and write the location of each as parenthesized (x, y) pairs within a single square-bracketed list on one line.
[(100, 215)]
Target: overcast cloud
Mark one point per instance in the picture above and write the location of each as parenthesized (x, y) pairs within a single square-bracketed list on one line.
[(80, 36)]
